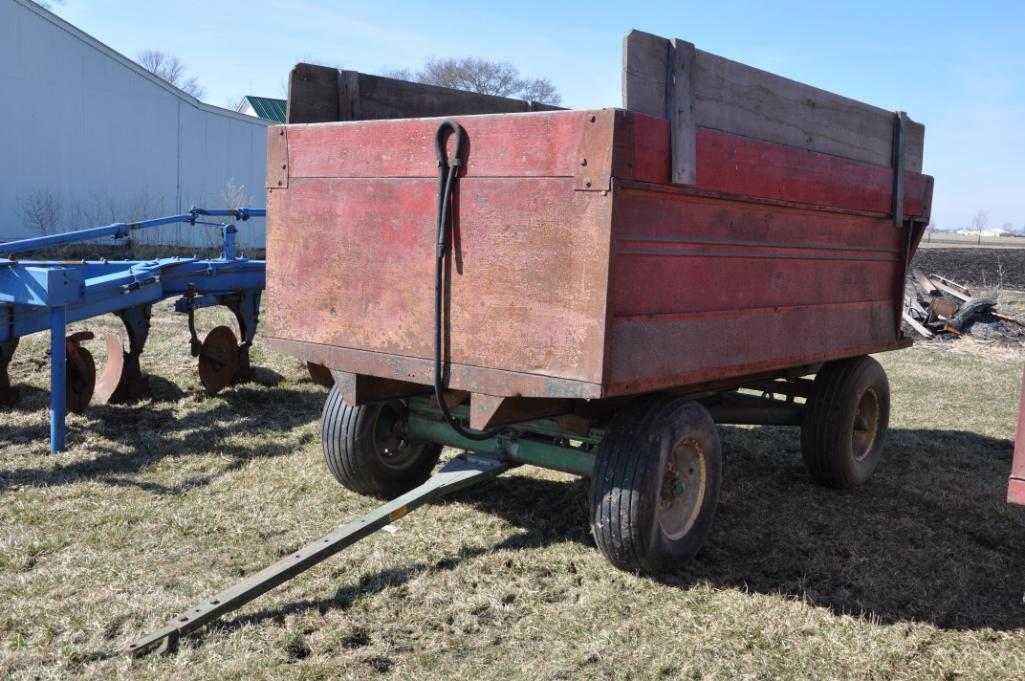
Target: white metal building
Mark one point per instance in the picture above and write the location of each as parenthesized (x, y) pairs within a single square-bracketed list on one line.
[(89, 137)]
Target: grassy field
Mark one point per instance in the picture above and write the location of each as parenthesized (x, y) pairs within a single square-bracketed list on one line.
[(939, 239), (161, 503)]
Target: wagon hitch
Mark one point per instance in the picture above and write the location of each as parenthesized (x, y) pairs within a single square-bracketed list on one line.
[(461, 472)]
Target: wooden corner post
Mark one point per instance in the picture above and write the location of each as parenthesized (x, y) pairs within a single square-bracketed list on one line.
[(658, 81)]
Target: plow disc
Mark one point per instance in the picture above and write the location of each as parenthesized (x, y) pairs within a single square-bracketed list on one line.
[(110, 378), (218, 359), (80, 372)]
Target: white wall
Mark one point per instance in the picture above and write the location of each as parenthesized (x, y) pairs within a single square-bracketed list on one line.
[(109, 141)]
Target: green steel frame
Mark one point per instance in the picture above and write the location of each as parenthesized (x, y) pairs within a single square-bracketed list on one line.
[(539, 442)]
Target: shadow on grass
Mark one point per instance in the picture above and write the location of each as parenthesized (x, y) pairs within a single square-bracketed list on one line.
[(368, 585), (151, 434), (929, 539)]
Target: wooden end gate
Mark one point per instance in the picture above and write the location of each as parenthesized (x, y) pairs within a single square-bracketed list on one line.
[(590, 291)]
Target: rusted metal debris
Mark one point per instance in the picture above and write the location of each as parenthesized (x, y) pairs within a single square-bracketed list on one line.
[(935, 306)]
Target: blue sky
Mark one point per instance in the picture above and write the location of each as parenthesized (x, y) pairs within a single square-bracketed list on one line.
[(957, 67)]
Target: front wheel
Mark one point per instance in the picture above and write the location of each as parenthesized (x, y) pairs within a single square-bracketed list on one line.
[(656, 484), (365, 451), (846, 422)]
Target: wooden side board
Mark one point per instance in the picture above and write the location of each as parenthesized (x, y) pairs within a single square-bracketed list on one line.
[(320, 94), (661, 78), (572, 279)]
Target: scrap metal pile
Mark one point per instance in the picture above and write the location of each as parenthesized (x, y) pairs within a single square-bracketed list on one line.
[(936, 307)]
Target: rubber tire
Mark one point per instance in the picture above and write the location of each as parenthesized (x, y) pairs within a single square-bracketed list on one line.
[(828, 422), (346, 437), (627, 479)]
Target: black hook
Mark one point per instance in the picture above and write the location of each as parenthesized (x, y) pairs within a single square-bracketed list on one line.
[(448, 125)]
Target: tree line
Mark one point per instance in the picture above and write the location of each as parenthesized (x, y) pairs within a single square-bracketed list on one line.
[(472, 74)]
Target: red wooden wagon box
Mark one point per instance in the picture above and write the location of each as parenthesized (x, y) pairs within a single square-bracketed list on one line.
[(612, 282)]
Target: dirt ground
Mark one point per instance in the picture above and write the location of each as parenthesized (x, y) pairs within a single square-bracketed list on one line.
[(983, 267)]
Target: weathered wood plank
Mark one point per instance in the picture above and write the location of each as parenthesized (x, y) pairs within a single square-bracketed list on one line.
[(914, 324), (739, 99), (682, 126), (944, 286), (644, 73), (318, 94), (744, 167), (747, 101), (381, 97), (925, 282), (312, 94), (538, 146)]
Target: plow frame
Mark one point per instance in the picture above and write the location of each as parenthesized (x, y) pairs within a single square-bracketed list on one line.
[(40, 295)]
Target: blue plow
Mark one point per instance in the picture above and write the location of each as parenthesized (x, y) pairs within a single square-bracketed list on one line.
[(40, 295)]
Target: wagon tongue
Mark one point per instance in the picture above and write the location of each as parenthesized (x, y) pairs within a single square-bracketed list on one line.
[(461, 472)]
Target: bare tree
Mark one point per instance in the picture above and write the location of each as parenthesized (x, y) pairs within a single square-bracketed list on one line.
[(234, 195), (397, 73), (473, 74), (979, 222), (172, 69), (41, 210), (480, 75), (541, 90)]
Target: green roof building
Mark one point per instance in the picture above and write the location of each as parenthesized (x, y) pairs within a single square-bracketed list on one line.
[(268, 109)]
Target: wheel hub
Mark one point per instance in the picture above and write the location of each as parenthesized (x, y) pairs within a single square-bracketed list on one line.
[(682, 489), (393, 450), (866, 424)]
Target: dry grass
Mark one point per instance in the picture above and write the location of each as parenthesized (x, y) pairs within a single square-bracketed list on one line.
[(158, 504)]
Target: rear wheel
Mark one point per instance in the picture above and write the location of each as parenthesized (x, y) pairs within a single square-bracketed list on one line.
[(846, 422), (365, 452), (656, 484)]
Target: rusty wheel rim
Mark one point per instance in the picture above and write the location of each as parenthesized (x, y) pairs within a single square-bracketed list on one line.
[(392, 450), (866, 424), (682, 488)]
